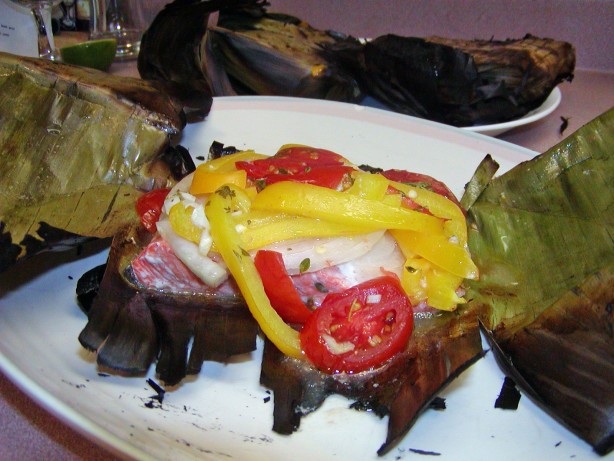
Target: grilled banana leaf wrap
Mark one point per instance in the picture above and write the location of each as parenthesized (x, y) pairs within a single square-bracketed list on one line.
[(541, 235), (172, 50), (78, 147), (248, 51), (131, 327), (458, 82), (253, 51)]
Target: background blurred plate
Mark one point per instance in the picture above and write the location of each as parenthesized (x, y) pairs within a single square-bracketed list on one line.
[(552, 102)]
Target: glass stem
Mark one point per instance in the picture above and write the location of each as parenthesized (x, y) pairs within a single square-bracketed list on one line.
[(45, 50)]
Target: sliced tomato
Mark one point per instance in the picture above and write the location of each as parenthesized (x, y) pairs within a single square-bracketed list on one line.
[(149, 207), (421, 180), (300, 164), (279, 288), (359, 328)]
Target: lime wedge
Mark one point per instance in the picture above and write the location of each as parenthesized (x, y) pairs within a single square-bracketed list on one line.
[(97, 54)]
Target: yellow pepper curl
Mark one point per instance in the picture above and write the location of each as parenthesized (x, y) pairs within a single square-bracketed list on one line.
[(219, 209), (343, 208)]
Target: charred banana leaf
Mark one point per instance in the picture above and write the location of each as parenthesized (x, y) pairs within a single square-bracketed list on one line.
[(459, 82), (276, 54), (173, 49), (542, 236), (441, 347), (75, 145), (130, 327)]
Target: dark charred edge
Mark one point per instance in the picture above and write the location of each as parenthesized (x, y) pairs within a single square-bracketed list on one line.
[(174, 329), (217, 150), (132, 343), (228, 45), (9, 251), (51, 239), (458, 82), (130, 327), (394, 438), (170, 50), (602, 445), (179, 161), (295, 393), (509, 396), (401, 388), (88, 286)]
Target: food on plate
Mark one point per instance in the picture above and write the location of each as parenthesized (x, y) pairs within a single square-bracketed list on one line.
[(541, 235), (355, 278), (460, 82), (248, 51), (253, 51), (76, 146), (257, 52), (177, 325)]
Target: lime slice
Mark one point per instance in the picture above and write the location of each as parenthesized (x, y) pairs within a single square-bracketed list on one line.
[(98, 54)]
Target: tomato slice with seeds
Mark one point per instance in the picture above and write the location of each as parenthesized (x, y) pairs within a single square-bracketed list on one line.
[(304, 164), (359, 328), (279, 288), (149, 207)]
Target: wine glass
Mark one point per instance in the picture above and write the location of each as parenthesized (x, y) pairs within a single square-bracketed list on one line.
[(41, 9)]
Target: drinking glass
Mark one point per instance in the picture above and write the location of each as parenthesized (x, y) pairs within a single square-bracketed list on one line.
[(41, 9), (121, 20)]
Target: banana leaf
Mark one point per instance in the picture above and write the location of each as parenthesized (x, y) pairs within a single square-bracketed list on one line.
[(76, 148), (278, 54), (172, 51), (458, 82), (542, 236), (249, 51)]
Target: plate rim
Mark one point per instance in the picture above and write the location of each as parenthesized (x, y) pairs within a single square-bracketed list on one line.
[(549, 105)]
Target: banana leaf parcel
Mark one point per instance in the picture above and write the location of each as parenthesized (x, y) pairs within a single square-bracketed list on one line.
[(76, 146), (542, 235), (458, 82), (249, 51)]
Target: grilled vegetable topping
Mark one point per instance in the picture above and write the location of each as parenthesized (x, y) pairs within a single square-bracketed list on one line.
[(286, 225)]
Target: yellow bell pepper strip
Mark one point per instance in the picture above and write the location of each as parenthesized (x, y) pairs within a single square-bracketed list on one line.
[(206, 182), (439, 250), (439, 206), (219, 211), (369, 186), (256, 234), (180, 218), (227, 162), (330, 205), (441, 289), (424, 282), (413, 279)]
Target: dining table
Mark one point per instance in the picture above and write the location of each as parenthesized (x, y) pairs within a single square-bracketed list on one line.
[(29, 432)]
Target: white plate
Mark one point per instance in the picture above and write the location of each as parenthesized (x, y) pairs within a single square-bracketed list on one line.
[(552, 102), (223, 413)]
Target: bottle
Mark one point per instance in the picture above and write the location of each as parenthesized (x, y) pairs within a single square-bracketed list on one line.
[(83, 15)]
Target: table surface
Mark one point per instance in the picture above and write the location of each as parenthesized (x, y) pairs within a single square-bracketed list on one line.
[(29, 432)]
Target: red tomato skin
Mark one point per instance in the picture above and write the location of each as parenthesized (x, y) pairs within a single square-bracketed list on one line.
[(149, 207), (421, 180), (279, 287), (364, 324), (330, 177), (303, 164)]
